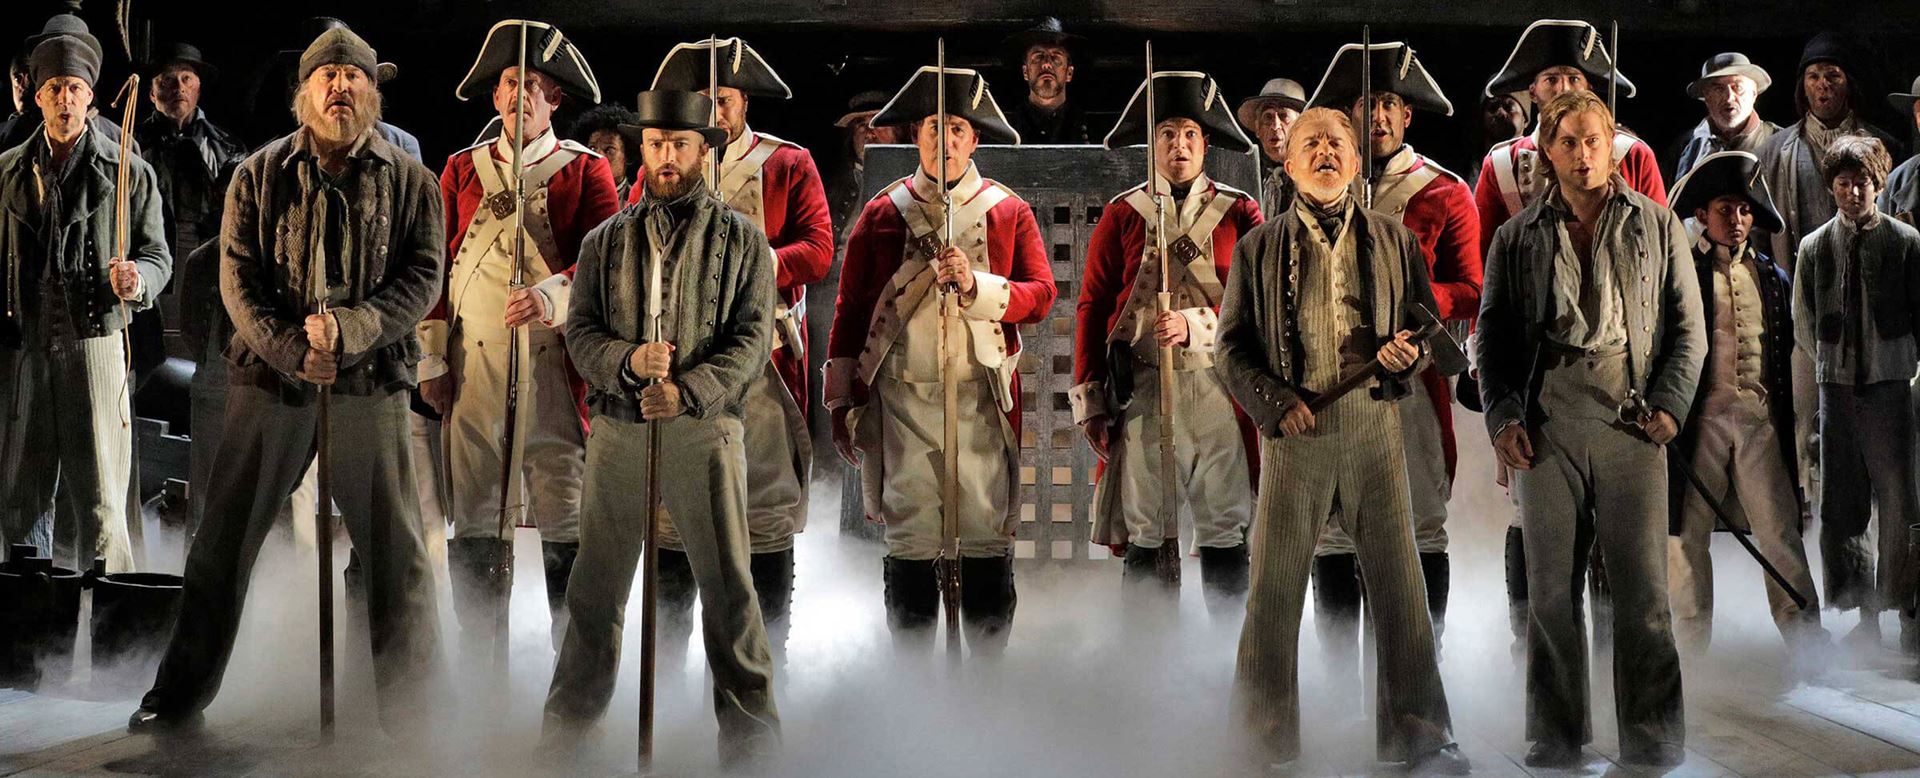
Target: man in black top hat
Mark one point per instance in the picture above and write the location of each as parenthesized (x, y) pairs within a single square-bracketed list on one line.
[(1728, 85), (680, 355), (1045, 53), (1738, 439), (1269, 115), (66, 299), (1827, 92), (1902, 196)]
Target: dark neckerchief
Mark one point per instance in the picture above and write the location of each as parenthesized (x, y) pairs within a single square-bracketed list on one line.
[(1331, 217)]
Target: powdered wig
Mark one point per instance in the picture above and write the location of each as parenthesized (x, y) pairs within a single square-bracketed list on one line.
[(1320, 118), (1578, 101), (1857, 151)]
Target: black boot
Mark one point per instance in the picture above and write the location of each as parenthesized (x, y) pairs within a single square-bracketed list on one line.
[(675, 606), (773, 585), (987, 599), (913, 600), (1140, 565), (1223, 580), (1438, 572), (1517, 608), (1336, 608), (481, 570), (557, 560)]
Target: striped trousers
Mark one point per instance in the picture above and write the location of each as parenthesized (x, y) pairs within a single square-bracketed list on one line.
[(1353, 470), (66, 421)]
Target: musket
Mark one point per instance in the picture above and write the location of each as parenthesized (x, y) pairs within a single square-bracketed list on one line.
[(1166, 561), (501, 572), (129, 99), (948, 563), (1365, 130), (1613, 70)]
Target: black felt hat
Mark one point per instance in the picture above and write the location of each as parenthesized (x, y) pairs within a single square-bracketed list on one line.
[(548, 51), (178, 53), (1046, 31), (1557, 43), (1727, 173), (1179, 94), (967, 98), (729, 61), (674, 109), (1395, 69)]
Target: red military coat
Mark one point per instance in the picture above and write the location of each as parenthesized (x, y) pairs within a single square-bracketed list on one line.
[(580, 196), (1443, 216), (1114, 252), (1637, 165)]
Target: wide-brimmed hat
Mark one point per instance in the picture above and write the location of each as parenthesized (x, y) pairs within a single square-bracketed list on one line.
[(674, 109), (967, 98), (179, 53), (1179, 94), (690, 66), (861, 107), (1903, 101), (1284, 92), (1731, 63), (1727, 173), (1395, 69), (1046, 31), (547, 50), (1557, 43)]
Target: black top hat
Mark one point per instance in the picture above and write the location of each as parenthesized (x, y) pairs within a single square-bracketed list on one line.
[(66, 24), (690, 66), (1732, 63), (672, 109), (1727, 173), (1903, 101), (1046, 31), (967, 98), (1556, 43), (1284, 92), (548, 51), (178, 53), (312, 28), (1179, 94), (1395, 69)]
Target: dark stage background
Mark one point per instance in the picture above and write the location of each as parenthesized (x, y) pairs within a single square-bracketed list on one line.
[(829, 49)]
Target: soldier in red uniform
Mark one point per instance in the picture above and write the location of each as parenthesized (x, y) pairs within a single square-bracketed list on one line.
[(1118, 337), (481, 315), (884, 371), (775, 184), (1436, 205)]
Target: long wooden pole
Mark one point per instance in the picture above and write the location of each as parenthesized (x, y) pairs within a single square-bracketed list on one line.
[(1167, 559), (948, 563)]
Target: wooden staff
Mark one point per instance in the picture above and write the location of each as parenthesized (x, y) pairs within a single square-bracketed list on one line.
[(949, 560), (1167, 561)]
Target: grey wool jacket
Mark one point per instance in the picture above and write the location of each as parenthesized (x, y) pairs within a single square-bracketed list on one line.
[(266, 264), (1652, 262), (1889, 271), (85, 243), (1259, 352), (717, 307)]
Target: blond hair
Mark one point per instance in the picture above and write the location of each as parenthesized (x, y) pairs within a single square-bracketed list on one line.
[(1312, 119), (1577, 101)]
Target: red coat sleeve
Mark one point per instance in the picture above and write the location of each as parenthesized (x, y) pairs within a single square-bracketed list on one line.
[(1642, 171), (1457, 267), (804, 248), (599, 200), (1030, 275), (874, 248), (1492, 207), (450, 185), (1102, 284)]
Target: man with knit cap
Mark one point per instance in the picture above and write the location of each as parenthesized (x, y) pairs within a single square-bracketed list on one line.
[(1325, 291), (1728, 85), (330, 253), (1828, 93), (67, 297), (482, 318)]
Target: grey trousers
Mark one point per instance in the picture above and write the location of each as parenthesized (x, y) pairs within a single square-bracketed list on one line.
[(1359, 478), (66, 422), (1595, 481), (265, 448), (778, 459), (703, 488), (1427, 484), (1866, 461)]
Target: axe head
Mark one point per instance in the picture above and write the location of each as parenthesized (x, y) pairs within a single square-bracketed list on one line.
[(1448, 356)]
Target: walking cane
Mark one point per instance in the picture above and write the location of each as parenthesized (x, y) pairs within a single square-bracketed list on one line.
[(1167, 561), (948, 563), (129, 98), (501, 571)]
